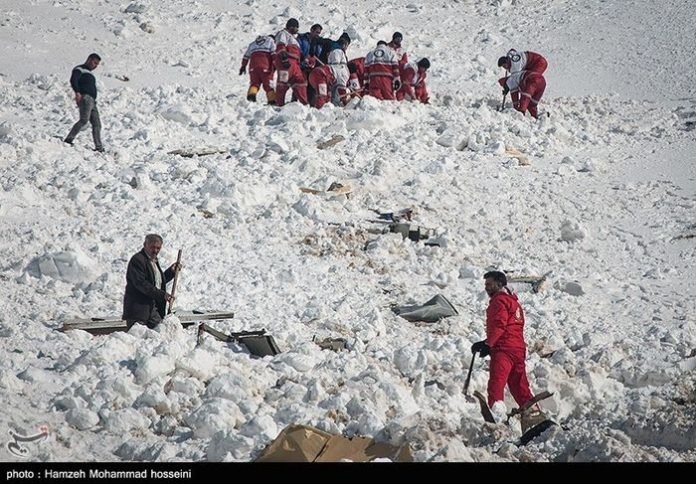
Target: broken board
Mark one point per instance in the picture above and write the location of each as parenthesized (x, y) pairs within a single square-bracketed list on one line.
[(536, 281), (405, 214), (536, 431), (536, 398), (201, 152), (530, 434), (257, 342), (330, 142), (302, 443), (113, 324), (334, 190), (522, 159), (539, 428), (485, 410)]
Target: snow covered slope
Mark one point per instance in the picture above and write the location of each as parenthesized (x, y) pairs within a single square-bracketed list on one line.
[(607, 203)]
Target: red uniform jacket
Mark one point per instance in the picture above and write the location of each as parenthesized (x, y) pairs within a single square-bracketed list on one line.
[(286, 42), (504, 322), (413, 83), (401, 55), (359, 73)]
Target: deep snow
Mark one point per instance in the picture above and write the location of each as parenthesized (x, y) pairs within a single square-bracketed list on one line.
[(607, 204)]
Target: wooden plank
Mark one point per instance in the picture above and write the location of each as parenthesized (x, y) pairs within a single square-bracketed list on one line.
[(214, 332), (483, 405), (109, 325), (102, 328), (202, 152), (536, 398), (206, 316), (535, 281)]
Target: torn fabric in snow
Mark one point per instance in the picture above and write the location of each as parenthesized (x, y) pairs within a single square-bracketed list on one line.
[(434, 310)]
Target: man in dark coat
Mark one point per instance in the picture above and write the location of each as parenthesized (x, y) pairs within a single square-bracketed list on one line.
[(84, 84), (146, 296)]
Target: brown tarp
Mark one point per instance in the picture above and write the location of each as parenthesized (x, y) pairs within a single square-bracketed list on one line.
[(301, 443)]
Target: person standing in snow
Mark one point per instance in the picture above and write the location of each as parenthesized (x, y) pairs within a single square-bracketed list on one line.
[(382, 72), (337, 60), (288, 64), (505, 344), (400, 52), (146, 296), (260, 56), (84, 84), (311, 45), (525, 82), (413, 86)]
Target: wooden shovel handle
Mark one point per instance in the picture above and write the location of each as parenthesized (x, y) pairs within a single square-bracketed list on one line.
[(176, 278)]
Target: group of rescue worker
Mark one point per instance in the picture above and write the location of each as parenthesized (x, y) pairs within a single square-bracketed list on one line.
[(317, 71)]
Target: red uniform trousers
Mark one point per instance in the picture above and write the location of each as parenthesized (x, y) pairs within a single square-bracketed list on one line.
[(321, 80), (422, 93), (381, 87), (508, 367), (261, 73), (292, 77), (532, 88)]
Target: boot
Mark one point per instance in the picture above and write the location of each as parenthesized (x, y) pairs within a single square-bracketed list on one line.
[(251, 93), (271, 97)]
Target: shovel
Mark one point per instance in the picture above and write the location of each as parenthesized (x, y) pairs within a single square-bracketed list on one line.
[(469, 398), (478, 397)]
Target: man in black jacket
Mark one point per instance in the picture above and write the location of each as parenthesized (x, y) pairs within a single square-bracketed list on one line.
[(84, 84), (146, 296)]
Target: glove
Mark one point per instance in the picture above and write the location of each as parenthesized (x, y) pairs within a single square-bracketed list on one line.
[(396, 84), (505, 90), (242, 70), (481, 347)]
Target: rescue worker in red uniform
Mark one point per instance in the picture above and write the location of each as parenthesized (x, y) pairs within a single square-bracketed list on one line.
[(288, 64), (260, 56), (504, 342), (525, 81), (413, 82), (395, 44), (357, 73), (527, 60), (382, 72), (323, 80)]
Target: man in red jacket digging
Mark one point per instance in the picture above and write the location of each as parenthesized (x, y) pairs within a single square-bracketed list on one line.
[(505, 343)]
